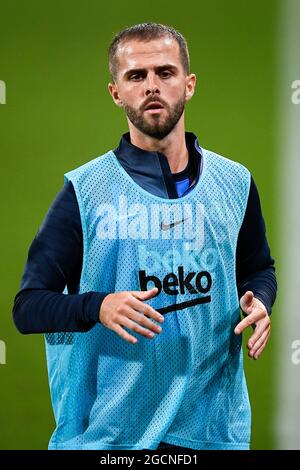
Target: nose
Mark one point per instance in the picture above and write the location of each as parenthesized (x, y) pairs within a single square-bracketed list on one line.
[(151, 85)]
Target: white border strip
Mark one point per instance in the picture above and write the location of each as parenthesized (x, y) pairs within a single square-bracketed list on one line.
[(287, 424)]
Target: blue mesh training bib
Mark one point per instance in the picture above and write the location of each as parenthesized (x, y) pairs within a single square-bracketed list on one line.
[(186, 386)]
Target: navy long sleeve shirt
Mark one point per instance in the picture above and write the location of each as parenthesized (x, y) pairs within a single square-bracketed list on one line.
[(56, 253)]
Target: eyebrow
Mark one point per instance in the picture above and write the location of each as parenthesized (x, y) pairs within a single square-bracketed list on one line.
[(157, 69)]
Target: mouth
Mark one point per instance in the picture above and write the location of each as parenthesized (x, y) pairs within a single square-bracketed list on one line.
[(154, 108)]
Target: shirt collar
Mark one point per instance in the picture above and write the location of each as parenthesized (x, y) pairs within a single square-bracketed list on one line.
[(151, 170)]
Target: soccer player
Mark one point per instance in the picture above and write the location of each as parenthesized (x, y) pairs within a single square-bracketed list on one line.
[(140, 268)]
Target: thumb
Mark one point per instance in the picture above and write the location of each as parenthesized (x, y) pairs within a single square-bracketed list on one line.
[(246, 301), (145, 294)]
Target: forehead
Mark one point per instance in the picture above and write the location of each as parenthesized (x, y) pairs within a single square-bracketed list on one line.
[(140, 54)]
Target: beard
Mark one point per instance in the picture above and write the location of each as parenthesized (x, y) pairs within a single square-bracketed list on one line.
[(155, 125)]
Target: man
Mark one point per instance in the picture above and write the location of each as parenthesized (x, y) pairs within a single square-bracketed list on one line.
[(138, 273)]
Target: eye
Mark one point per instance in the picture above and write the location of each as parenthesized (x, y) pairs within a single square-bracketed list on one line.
[(165, 74), (135, 76)]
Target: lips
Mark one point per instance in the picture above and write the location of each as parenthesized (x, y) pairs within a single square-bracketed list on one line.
[(154, 105)]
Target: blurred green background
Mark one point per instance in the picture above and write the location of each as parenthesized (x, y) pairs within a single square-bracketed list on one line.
[(58, 115)]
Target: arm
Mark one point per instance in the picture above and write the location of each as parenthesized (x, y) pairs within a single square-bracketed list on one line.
[(55, 261), (255, 273)]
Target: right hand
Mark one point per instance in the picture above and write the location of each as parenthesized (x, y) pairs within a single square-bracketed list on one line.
[(126, 308)]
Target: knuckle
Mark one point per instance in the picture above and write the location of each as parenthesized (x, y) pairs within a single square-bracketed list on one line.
[(108, 324), (151, 311), (140, 329), (119, 331), (105, 319), (123, 334), (134, 327), (111, 317), (127, 298), (148, 323), (145, 332), (143, 309), (153, 316), (114, 319)]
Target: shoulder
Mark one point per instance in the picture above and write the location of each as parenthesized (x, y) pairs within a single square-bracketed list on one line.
[(225, 168), (224, 161), (89, 167), (231, 176)]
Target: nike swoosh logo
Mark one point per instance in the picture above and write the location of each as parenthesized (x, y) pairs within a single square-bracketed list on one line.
[(172, 224), (182, 305)]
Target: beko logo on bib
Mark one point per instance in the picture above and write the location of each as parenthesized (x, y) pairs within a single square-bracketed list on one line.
[(179, 283), (194, 274)]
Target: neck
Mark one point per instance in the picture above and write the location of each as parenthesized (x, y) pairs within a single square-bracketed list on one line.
[(173, 146)]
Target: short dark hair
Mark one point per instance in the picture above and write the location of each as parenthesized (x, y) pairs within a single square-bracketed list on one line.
[(147, 32)]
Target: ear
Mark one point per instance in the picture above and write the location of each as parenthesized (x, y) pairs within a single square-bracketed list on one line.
[(113, 90), (190, 86)]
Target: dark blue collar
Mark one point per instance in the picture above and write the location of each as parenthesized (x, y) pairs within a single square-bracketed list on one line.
[(151, 170)]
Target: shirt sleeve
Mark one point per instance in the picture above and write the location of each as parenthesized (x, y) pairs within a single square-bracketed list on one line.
[(255, 267), (54, 261)]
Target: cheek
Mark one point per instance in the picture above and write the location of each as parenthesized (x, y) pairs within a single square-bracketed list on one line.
[(132, 97), (173, 91)]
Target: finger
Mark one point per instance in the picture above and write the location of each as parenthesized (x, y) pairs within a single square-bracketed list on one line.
[(260, 350), (263, 325), (259, 342), (144, 294), (246, 300), (123, 334), (124, 321), (249, 320), (146, 309), (140, 318)]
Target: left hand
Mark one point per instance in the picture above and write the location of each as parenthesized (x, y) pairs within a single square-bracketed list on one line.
[(256, 315)]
